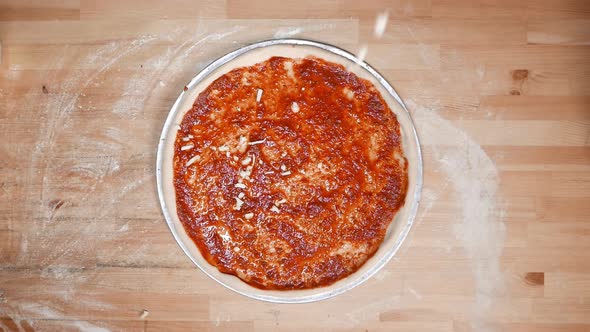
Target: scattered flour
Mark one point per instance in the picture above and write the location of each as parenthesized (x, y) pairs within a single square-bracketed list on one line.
[(474, 178), (222, 316), (307, 27), (287, 32), (87, 327), (414, 292), (467, 168), (99, 152), (364, 313)]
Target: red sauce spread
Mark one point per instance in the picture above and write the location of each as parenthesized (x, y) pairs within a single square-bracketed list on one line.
[(289, 172)]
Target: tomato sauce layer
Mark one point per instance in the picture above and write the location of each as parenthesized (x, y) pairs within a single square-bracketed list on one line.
[(289, 172)]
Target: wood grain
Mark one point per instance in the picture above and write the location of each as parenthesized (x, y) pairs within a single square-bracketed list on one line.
[(86, 85)]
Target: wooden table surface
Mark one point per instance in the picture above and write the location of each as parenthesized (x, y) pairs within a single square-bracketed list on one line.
[(500, 93)]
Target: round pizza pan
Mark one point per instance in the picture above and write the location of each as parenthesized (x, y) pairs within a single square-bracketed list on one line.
[(294, 48)]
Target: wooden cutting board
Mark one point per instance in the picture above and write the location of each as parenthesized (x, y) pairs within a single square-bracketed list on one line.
[(500, 93)]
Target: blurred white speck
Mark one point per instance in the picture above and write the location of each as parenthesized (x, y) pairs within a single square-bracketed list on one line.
[(143, 314), (480, 72), (415, 293), (381, 23), (362, 53)]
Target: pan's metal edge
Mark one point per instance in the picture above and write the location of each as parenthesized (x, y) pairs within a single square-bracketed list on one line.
[(234, 54)]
